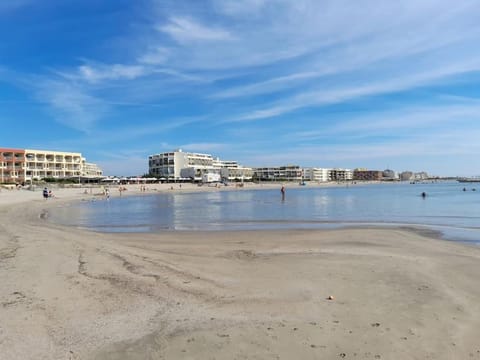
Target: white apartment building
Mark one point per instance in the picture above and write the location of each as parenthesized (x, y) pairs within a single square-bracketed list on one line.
[(232, 171), (316, 174), (422, 175), (279, 173), (179, 165), (90, 170)]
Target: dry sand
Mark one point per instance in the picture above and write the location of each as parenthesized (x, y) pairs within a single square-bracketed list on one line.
[(71, 294)]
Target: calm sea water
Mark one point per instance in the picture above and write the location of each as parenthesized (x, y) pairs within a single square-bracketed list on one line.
[(456, 213)]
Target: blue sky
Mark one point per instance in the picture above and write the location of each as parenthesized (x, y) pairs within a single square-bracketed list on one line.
[(337, 83)]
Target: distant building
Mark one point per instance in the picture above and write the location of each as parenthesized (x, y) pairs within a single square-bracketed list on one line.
[(169, 165), (179, 165), (12, 165), (315, 174), (279, 173), (20, 165), (367, 175), (420, 175), (90, 170), (340, 174), (406, 176), (232, 171), (389, 175)]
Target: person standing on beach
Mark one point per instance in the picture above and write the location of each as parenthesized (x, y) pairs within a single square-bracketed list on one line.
[(45, 193)]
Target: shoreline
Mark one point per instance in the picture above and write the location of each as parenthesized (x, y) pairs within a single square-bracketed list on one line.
[(74, 191), (443, 232), (68, 293)]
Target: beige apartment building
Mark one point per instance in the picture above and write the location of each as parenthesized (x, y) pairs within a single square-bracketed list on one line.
[(20, 165)]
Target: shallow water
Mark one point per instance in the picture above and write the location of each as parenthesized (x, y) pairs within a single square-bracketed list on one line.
[(446, 207)]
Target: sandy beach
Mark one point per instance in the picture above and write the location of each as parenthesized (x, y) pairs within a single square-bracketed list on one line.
[(376, 293)]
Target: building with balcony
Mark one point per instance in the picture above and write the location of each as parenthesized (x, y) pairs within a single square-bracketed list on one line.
[(315, 174), (279, 173), (41, 164), (367, 175), (12, 165), (179, 165), (20, 165), (90, 170), (340, 175), (232, 171)]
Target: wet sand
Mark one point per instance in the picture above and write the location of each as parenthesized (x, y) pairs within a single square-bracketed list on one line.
[(308, 294)]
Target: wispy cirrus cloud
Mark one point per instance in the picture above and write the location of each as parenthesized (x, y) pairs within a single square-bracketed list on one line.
[(71, 105), (187, 30), (111, 72), (365, 88), (155, 55), (413, 121), (240, 7), (270, 85)]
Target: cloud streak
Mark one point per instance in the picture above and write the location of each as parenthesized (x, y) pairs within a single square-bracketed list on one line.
[(186, 30)]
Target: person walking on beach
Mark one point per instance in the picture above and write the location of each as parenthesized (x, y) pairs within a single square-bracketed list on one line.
[(45, 193)]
